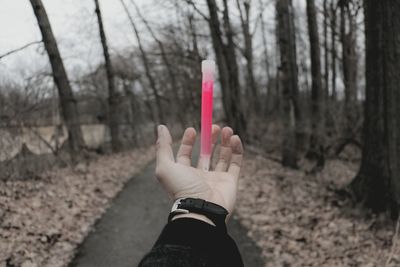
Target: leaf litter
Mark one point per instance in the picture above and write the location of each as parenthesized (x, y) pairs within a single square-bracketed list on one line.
[(296, 219), (303, 220), (43, 220)]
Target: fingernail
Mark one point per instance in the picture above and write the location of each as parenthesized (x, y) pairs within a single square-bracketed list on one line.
[(238, 147)]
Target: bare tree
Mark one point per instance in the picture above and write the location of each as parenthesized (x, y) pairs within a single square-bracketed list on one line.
[(67, 100), (194, 64), (288, 80), (264, 41), (113, 96), (247, 51), (227, 66), (349, 64), (326, 48), (146, 63), (378, 181), (271, 103), (317, 93), (175, 87), (333, 9)]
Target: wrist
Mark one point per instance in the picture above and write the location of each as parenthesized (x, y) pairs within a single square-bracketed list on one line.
[(199, 209), (196, 216)]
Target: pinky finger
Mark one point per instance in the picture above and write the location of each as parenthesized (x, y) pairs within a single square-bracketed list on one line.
[(237, 156)]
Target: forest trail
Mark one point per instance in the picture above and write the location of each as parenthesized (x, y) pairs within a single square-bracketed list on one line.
[(133, 222)]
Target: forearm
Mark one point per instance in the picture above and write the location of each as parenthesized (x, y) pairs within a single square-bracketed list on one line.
[(191, 242)]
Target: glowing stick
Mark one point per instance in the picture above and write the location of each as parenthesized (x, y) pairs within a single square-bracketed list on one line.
[(208, 70)]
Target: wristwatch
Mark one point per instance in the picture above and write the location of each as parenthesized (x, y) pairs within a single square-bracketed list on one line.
[(216, 213)]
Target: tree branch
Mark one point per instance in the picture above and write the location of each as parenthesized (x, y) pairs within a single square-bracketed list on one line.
[(190, 2), (19, 49)]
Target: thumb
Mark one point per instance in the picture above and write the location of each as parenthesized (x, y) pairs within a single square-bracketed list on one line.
[(164, 145)]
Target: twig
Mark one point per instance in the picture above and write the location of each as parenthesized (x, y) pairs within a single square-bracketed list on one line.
[(53, 151), (19, 49), (394, 242), (191, 3), (35, 132)]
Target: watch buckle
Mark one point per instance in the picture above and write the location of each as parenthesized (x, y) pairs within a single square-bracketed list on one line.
[(175, 207)]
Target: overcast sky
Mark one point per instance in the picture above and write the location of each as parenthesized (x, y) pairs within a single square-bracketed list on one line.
[(75, 26)]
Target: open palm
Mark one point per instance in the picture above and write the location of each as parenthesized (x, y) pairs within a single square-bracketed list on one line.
[(181, 180)]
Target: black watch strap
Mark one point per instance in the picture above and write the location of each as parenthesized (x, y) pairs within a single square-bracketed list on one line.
[(216, 213)]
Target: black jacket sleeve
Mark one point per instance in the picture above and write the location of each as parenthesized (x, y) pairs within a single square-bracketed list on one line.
[(187, 242)]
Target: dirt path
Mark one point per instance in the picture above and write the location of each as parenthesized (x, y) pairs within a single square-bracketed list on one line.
[(131, 225)]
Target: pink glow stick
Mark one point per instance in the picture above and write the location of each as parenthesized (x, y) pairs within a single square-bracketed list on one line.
[(208, 70)]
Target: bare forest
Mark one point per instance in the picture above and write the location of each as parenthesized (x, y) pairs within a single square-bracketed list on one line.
[(312, 87)]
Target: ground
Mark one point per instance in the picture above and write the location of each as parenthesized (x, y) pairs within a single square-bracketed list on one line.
[(293, 218), (43, 219), (303, 220), (129, 228)]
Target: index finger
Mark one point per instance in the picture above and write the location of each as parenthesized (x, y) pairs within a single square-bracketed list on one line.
[(164, 145)]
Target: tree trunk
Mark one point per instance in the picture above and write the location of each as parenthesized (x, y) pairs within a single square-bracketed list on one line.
[(317, 93), (194, 95), (135, 118), (248, 54), (288, 76), (227, 67), (113, 96), (333, 52), (68, 102), (378, 182), (349, 65), (218, 45), (236, 108), (269, 102), (326, 50)]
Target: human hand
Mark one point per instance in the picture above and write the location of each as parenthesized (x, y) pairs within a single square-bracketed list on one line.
[(181, 180)]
